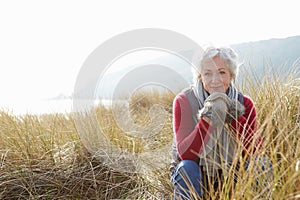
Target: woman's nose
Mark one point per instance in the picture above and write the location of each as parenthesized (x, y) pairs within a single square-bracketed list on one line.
[(216, 78)]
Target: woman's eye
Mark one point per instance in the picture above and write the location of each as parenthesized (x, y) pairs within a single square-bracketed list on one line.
[(222, 72)]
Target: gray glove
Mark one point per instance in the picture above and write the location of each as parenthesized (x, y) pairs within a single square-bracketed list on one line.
[(215, 108), (235, 109)]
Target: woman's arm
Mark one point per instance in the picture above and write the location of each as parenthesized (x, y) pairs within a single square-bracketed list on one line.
[(189, 138), (245, 127)]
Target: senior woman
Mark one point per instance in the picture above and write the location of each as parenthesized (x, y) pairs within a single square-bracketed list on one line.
[(213, 125)]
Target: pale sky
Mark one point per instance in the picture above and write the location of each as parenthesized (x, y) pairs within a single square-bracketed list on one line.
[(43, 44)]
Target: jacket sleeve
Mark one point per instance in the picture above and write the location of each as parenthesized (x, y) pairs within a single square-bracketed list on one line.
[(245, 128), (189, 137)]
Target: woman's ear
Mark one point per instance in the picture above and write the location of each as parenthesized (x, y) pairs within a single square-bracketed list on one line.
[(232, 77), (199, 77)]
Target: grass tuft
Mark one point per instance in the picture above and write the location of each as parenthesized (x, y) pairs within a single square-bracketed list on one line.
[(43, 156)]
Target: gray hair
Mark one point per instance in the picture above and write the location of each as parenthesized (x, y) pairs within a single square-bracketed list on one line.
[(226, 53)]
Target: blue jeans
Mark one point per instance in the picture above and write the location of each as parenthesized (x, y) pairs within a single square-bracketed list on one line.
[(188, 179), (264, 177)]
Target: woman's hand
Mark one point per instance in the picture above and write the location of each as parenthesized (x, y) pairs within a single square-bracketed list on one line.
[(215, 108), (235, 109)]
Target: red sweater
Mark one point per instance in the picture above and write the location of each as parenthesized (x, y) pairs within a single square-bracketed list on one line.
[(189, 137)]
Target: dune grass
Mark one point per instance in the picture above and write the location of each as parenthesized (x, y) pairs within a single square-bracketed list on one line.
[(43, 157)]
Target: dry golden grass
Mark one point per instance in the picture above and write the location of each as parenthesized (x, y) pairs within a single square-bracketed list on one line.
[(42, 157)]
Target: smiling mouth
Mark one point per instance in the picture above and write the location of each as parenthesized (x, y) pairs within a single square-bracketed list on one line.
[(216, 87)]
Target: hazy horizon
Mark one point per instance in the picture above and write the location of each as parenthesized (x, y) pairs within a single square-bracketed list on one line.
[(44, 44)]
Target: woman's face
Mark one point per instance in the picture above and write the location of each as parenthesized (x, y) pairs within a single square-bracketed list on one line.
[(215, 75)]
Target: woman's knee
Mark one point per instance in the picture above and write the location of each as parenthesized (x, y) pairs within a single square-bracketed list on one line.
[(188, 165), (266, 164), (188, 168), (263, 164)]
